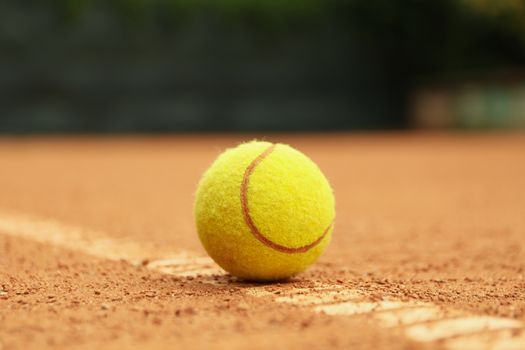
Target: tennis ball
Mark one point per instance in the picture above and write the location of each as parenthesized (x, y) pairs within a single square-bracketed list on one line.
[(264, 211)]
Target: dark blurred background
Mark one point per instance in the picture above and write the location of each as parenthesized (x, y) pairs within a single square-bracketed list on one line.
[(125, 66)]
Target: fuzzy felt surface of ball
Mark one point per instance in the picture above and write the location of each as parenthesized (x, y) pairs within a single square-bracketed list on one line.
[(264, 211)]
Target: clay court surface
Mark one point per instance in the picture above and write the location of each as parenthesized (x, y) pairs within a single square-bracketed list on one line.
[(98, 248)]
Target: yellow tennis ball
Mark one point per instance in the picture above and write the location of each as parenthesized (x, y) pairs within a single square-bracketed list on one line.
[(264, 211)]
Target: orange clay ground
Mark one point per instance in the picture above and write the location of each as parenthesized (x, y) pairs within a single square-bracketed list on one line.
[(98, 249)]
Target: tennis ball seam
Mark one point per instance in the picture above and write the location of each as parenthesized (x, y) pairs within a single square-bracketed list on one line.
[(249, 221)]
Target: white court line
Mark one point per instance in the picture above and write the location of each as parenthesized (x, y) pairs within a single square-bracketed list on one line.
[(356, 308), (443, 329), (505, 340), (333, 296), (75, 238), (408, 316), (98, 244), (186, 265), (422, 322)]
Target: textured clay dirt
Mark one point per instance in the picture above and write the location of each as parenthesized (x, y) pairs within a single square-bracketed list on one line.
[(436, 218)]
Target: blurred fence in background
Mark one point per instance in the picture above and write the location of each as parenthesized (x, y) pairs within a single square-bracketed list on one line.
[(493, 101), (177, 65)]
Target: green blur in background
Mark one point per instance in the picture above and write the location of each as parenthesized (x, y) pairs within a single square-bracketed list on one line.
[(156, 66)]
